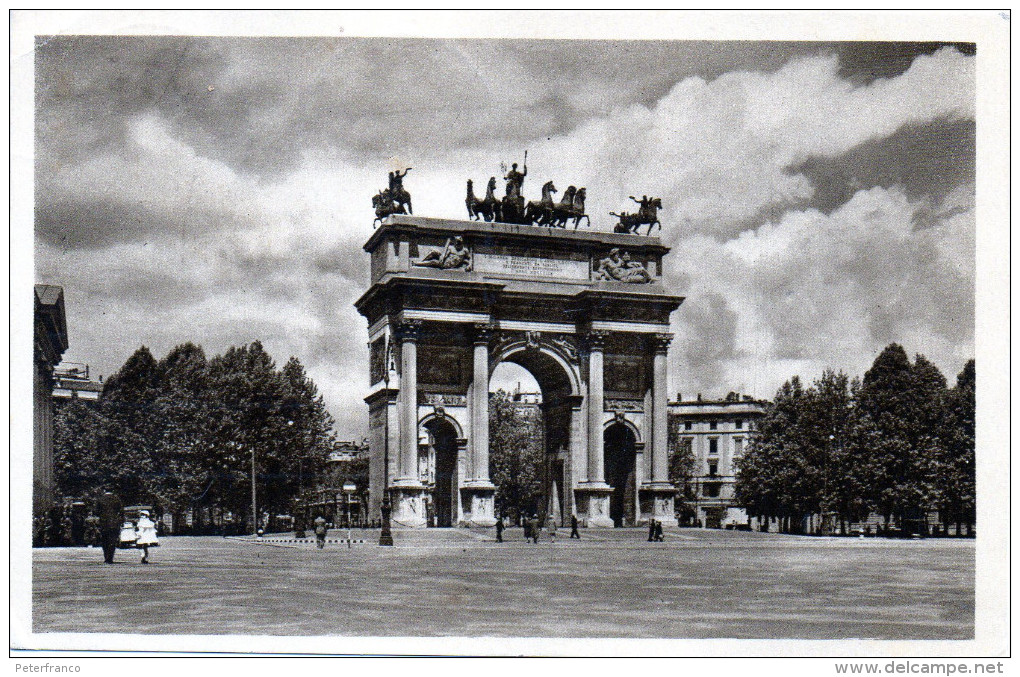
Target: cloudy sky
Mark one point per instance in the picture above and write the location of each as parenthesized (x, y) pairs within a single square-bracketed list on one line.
[(818, 197)]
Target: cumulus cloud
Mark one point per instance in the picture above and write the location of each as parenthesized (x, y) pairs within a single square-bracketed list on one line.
[(218, 190)]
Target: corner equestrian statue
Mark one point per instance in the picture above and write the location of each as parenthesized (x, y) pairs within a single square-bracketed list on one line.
[(647, 214), (397, 192)]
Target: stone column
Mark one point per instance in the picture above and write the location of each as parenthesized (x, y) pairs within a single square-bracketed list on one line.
[(408, 491), (659, 490), (596, 403), (480, 403), (594, 490), (480, 492), (660, 418), (408, 335)]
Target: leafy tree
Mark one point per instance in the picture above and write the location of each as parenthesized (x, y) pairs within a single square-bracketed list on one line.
[(79, 467), (682, 469), (769, 473), (956, 470), (905, 402), (131, 433), (515, 455)]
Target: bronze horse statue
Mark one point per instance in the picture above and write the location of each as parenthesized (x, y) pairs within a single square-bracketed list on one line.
[(385, 206), (575, 210), (557, 215), (535, 211), (487, 208)]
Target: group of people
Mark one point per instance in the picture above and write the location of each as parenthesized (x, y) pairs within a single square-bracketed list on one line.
[(533, 528), (655, 531), (118, 532)]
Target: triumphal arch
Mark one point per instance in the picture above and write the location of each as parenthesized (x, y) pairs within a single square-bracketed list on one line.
[(585, 312)]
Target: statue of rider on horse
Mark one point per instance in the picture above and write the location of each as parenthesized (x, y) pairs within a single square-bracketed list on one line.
[(393, 199), (647, 214)]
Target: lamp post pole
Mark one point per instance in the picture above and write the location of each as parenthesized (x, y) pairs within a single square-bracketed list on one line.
[(254, 512)]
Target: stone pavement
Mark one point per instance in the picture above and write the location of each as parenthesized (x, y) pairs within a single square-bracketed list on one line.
[(448, 582)]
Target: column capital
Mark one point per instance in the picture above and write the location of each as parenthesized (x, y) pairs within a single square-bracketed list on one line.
[(408, 330), (482, 333), (595, 339), (661, 343)]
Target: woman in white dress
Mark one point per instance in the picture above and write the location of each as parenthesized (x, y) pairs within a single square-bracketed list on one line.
[(146, 530)]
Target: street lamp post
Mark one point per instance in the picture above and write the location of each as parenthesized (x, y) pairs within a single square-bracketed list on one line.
[(254, 508)]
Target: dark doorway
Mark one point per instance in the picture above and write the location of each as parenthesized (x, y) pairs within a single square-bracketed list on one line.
[(443, 439), (620, 448)]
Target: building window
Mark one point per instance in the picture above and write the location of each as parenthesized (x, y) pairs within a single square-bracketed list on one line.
[(713, 445), (739, 423), (713, 469), (738, 446), (687, 425), (712, 425), (711, 491)]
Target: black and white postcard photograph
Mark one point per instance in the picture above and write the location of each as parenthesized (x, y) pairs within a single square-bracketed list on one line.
[(511, 333)]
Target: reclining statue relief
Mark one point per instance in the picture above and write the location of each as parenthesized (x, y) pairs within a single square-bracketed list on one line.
[(621, 268), (454, 255)]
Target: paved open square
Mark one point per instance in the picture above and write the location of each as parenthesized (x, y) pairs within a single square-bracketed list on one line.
[(611, 583)]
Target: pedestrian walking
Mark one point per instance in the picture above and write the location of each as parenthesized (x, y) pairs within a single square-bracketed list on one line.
[(109, 509), (658, 531), (573, 528), (651, 530), (145, 537), (550, 525), (536, 528), (320, 532), (499, 529), (526, 523)]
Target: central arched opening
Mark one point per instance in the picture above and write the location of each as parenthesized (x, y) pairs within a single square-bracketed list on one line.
[(620, 453), (527, 458), (441, 507)]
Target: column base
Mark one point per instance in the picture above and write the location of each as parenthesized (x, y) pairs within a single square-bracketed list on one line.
[(408, 499), (479, 499), (593, 505), (657, 503)]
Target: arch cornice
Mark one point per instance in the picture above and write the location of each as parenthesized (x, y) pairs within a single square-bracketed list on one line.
[(441, 416), (506, 349), (621, 419)]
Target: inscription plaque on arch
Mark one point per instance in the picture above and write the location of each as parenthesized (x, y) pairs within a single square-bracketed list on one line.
[(531, 266)]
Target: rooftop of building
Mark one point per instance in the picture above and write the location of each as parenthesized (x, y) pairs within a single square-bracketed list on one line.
[(733, 402)]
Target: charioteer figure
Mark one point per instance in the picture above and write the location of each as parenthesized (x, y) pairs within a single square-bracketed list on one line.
[(515, 179)]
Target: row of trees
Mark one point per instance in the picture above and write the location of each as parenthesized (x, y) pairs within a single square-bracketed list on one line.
[(900, 443), (180, 432)]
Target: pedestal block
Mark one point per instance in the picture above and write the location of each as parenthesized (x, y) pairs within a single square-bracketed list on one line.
[(480, 497), (659, 496), (408, 504), (593, 500)]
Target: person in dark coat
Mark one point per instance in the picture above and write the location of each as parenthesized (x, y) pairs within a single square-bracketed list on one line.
[(573, 527), (536, 528), (658, 531), (109, 509), (526, 523), (499, 529), (651, 530), (320, 532)]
